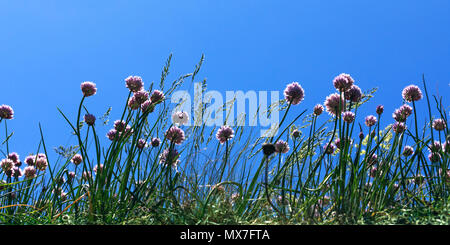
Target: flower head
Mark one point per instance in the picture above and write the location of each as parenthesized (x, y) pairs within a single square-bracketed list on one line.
[(434, 157), (380, 109), (98, 168), (224, 133), (134, 83), (343, 82), (29, 160), (77, 159), (41, 163), (175, 135), (14, 157), (180, 117), (169, 157), (141, 144), (88, 89), (268, 149), (329, 148), (6, 164), (399, 127), (120, 125), (370, 120), (348, 116), (408, 151), (334, 104), (294, 93), (318, 109), (89, 119), (141, 96), (296, 133), (147, 106), (111, 134), (157, 97), (155, 142), (439, 124), (354, 94), (133, 104), (281, 146), (412, 93), (30, 172), (6, 112)]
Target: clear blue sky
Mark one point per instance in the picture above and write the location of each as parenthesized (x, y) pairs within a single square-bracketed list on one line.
[(48, 48)]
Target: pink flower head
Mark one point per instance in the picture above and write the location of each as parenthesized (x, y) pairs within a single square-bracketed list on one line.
[(157, 97), (133, 103), (408, 151), (370, 120), (401, 114), (169, 158), (6, 112), (147, 106), (354, 94), (343, 82), (281, 146), (224, 133), (399, 127), (141, 144), (30, 172), (296, 133), (412, 93), (14, 157), (294, 93), (180, 117), (86, 175), (98, 168), (434, 157), (318, 109), (77, 159), (439, 124), (341, 143), (435, 146), (29, 160), (17, 172), (348, 116), (329, 148), (334, 104), (111, 134), (6, 164), (41, 163), (141, 96), (175, 135), (88, 88), (134, 83), (380, 109), (120, 125), (89, 119), (155, 142)]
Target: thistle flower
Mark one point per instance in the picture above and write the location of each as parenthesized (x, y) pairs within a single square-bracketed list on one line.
[(268, 149), (77, 159), (399, 127), (141, 144), (6, 164), (14, 157), (281, 146), (6, 112), (89, 119), (318, 109), (380, 110), (439, 124), (30, 172), (348, 116), (434, 157), (169, 157), (329, 148), (224, 133), (412, 93), (343, 82), (180, 117), (157, 97), (294, 93), (406, 110), (175, 135), (370, 120), (155, 142), (408, 151), (140, 96), (134, 83), (88, 88), (111, 134), (334, 104), (147, 106), (354, 94)]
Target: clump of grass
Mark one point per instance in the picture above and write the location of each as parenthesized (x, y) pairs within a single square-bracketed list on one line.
[(318, 170)]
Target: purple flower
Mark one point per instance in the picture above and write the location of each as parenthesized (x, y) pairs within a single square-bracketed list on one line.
[(294, 93), (439, 124), (408, 151), (71, 177), (89, 119), (133, 103), (29, 160), (412, 93), (224, 133), (401, 114), (134, 83), (370, 120), (77, 159), (281, 146), (119, 125), (86, 175), (354, 94), (373, 159), (30, 172), (147, 106), (175, 135), (329, 148), (41, 163), (399, 127), (98, 168), (6, 112), (17, 172), (334, 104), (380, 109), (435, 146), (348, 116), (268, 149), (343, 82), (141, 96), (295, 133), (169, 157), (141, 144), (111, 134), (6, 164), (157, 97), (155, 142), (318, 109), (373, 172), (88, 89), (342, 144), (14, 157)]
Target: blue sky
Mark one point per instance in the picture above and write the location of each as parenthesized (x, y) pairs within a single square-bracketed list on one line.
[(48, 48)]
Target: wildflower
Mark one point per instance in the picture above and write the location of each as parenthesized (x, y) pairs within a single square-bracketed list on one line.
[(88, 88), (157, 97), (141, 144), (29, 160), (268, 149), (89, 119), (296, 133), (318, 109), (128, 131), (30, 172), (343, 82), (98, 168), (169, 157), (6, 112), (224, 133), (41, 163), (401, 114), (435, 146), (235, 197), (380, 110), (71, 177), (119, 125), (77, 159), (361, 135), (439, 124), (399, 127), (175, 135), (133, 104), (294, 93), (6, 164), (281, 146), (141, 96), (340, 144), (408, 151), (373, 159), (446, 147), (134, 83), (180, 117), (86, 175), (14, 157), (434, 157), (61, 180), (370, 120), (111, 134), (354, 94), (329, 148), (412, 93), (155, 142), (63, 196), (348, 116), (147, 106), (333, 104)]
